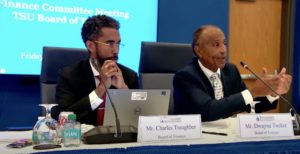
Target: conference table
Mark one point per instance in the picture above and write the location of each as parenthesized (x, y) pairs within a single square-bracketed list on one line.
[(208, 144)]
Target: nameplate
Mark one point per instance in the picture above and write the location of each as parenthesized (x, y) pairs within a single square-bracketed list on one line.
[(265, 125), (169, 128)]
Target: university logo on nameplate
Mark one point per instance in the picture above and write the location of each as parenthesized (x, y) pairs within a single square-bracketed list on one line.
[(169, 128), (265, 125)]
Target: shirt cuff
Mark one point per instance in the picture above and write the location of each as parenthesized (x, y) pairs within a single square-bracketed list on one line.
[(247, 96), (94, 100), (271, 98)]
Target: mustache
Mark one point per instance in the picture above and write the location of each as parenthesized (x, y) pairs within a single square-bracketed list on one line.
[(101, 61)]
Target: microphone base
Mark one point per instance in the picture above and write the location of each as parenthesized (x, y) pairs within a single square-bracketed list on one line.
[(105, 135), (296, 124), (297, 132)]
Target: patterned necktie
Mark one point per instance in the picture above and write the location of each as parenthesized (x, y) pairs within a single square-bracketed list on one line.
[(101, 107), (216, 84)]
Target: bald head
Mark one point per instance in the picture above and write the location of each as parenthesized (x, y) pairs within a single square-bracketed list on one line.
[(202, 32), (209, 45)]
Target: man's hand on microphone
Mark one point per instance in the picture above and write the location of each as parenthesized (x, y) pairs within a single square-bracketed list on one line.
[(115, 74)]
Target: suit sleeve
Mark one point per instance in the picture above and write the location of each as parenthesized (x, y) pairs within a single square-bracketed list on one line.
[(66, 97), (133, 82), (264, 104), (193, 97)]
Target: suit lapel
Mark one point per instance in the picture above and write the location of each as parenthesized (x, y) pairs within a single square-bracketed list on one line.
[(225, 76), (202, 78), (88, 76)]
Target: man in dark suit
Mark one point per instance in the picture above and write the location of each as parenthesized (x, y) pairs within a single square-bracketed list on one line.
[(79, 87), (213, 88)]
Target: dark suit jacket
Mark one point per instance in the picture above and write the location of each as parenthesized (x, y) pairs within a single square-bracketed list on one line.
[(76, 82), (193, 93)]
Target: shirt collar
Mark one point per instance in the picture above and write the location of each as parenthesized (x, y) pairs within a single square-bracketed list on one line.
[(95, 72), (208, 73)]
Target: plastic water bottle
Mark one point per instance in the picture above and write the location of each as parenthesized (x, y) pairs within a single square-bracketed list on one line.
[(71, 132), (34, 132)]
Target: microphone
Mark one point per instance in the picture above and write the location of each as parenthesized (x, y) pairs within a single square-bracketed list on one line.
[(118, 127), (296, 116), (105, 134)]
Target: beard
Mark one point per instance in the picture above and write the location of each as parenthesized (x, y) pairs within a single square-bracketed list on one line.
[(101, 60)]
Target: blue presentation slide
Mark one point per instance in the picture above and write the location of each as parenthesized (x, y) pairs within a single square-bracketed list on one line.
[(29, 25)]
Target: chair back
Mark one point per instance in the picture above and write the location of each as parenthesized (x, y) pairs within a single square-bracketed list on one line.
[(159, 62), (55, 58)]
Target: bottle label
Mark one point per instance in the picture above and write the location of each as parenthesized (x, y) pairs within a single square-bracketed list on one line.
[(71, 133), (44, 136), (34, 136)]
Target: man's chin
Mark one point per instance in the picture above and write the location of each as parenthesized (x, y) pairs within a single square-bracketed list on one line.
[(222, 65)]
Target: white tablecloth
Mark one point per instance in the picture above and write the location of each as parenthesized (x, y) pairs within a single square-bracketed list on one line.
[(223, 126)]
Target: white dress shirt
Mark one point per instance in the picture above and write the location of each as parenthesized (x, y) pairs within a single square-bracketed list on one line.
[(94, 99), (246, 94)]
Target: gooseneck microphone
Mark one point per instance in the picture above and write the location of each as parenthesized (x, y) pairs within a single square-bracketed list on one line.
[(296, 116), (118, 126)]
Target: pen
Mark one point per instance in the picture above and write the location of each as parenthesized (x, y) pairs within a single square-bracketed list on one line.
[(214, 133)]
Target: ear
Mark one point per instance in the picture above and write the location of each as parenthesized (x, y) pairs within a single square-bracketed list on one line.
[(198, 51), (91, 46)]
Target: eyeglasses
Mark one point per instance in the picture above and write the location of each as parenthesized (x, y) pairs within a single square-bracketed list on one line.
[(111, 45)]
